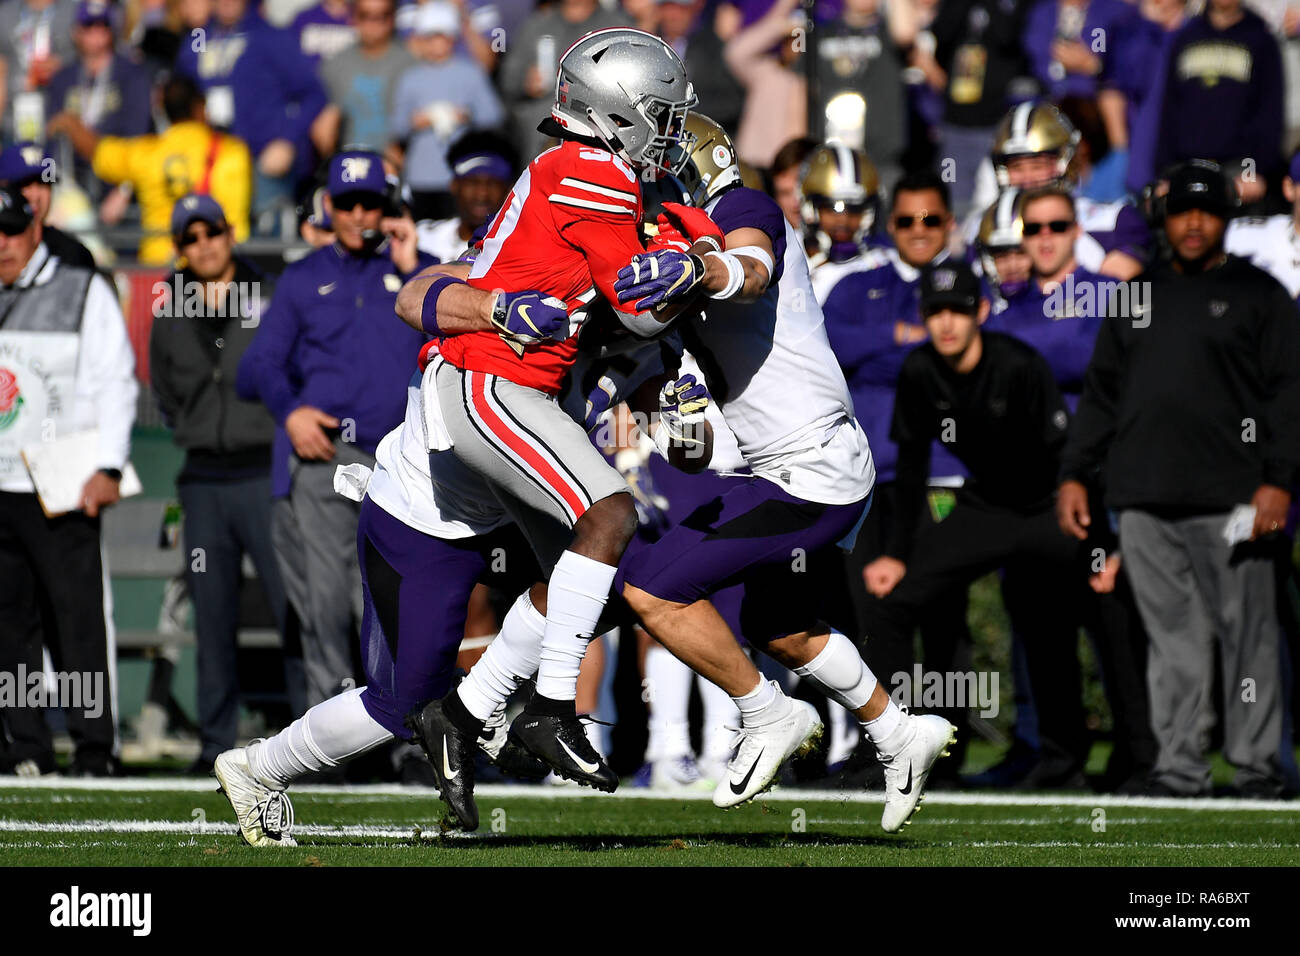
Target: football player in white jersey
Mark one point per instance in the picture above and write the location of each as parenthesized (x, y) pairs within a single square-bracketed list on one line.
[(1271, 242), (1035, 145), (772, 373), (839, 200)]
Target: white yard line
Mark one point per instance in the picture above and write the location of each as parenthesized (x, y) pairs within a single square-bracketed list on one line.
[(517, 791)]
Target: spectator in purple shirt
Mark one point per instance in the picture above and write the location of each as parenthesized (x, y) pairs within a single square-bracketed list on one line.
[(1224, 96), (108, 91), (324, 29), (260, 87)]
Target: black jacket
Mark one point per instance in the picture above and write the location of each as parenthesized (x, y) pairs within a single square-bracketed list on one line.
[(67, 247), (193, 361), (1192, 398)]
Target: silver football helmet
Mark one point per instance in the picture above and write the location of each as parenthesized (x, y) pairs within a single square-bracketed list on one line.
[(627, 89)]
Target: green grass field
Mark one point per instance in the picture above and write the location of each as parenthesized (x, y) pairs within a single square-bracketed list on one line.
[(155, 822)]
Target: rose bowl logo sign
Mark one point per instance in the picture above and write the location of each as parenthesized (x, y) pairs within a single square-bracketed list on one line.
[(11, 402)]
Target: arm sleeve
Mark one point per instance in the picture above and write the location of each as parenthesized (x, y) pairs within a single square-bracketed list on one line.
[(1280, 367), (112, 159), (264, 369), (108, 363), (160, 369), (1098, 409), (912, 435), (1266, 121), (299, 85), (597, 210), (232, 180), (1044, 404), (856, 330)]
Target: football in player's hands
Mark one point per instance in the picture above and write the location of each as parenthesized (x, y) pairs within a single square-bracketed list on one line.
[(692, 222), (527, 318), (654, 278)]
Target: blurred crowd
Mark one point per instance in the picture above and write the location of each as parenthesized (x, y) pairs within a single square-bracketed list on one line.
[(1052, 144)]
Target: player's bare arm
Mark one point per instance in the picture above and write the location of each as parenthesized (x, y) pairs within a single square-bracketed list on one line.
[(523, 318)]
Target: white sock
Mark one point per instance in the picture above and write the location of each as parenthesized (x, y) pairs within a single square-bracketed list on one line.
[(329, 734), (843, 735), (886, 731), (508, 661), (762, 705), (575, 596), (719, 714), (595, 736), (668, 681)]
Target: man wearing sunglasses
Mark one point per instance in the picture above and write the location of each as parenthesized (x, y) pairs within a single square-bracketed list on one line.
[(872, 323), (1059, 315), (330, 362), (66, 366), (205, 319)]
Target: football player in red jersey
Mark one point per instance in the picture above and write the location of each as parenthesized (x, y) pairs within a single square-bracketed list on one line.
[(569, 224)]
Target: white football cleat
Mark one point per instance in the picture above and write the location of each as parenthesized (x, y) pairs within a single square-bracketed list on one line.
[(907, 770), (762, 750), (265, 815)]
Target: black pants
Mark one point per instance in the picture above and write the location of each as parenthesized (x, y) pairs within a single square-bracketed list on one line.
[(1043, 587), (52, 593), (945, 635), (226, 519)]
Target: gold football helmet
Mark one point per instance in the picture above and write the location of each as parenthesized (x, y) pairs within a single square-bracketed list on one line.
[(842, 179), (1001, 226), (705, 159), (1002, 229), (1034, 129)]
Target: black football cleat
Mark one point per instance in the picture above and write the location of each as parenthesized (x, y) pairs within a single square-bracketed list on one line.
[(506, 755), (451, 751), (562, 744)]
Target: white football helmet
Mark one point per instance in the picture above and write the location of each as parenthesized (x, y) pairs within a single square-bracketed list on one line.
[(627, 89)]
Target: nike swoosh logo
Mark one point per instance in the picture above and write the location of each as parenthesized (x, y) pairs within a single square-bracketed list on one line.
[(738, 790), (452, 775), (908, 788), (325, 289), (523, 314), (586, 767)]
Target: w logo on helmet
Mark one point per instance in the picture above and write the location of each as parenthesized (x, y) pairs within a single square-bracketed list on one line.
[(355, 169)]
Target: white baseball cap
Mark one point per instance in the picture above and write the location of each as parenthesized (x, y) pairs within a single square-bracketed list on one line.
[(436, 16)]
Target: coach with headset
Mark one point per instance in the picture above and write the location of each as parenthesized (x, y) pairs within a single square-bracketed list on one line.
[(1191, 408)]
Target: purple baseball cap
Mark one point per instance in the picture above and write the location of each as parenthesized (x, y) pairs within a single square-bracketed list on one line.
[(25, 161), (96, 11), (357, 171), (196, 207)]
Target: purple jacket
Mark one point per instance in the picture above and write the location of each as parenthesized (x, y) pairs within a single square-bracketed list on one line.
[(1113, 18)]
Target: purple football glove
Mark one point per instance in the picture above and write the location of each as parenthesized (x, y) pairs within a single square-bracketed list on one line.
[(653, 278), (527, 318)]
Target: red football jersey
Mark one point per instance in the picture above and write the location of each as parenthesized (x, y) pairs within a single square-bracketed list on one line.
[(572, 220)]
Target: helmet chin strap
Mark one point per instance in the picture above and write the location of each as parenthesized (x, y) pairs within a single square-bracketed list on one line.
[(610, 137)]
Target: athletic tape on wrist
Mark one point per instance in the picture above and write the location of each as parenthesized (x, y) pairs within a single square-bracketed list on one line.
[(429, 308), (735, 274), (756, 252)]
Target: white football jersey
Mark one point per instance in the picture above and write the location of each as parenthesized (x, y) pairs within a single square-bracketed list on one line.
[(1269, 243), (434, 492), (771, 369), (440, 238)]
